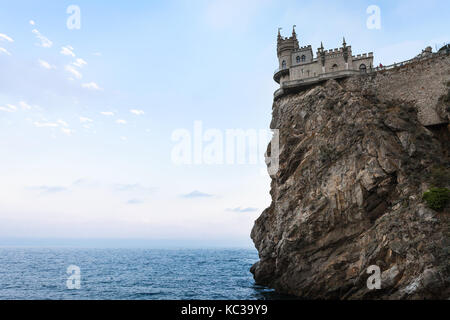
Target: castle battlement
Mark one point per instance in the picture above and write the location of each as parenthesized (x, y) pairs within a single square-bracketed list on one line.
[(363, 56), (305, 47)]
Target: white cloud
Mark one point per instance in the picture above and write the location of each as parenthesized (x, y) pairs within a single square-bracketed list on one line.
[(79, 63), (67, 131), (45, 42), (62, 123), (25, 105), (8, 108), (4, 37), (46, 65), (67, 51), (107, 113), (46, 124), (3, 50), (32, 22), (137, 112), (91, 86), (85, 120), (121, 121), (74, 71)]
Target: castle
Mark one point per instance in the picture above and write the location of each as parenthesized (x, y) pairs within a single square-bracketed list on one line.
[(298, 67)]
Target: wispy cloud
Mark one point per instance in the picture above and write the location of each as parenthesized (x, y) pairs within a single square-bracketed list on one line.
[(4, 51), (239, 209), (79, 63), (67, 131), (45, 64), (86, 120), (137, 112), (91, 86), (62, 123), (4, 37), (121, 121), (107, 113), (44, 41), (77, 74), (67, 51), (25, 105), (46, 124), (196, 194), (8, 108), (32, 22)]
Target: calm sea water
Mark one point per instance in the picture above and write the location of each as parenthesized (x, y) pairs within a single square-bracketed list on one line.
[(123, 274)]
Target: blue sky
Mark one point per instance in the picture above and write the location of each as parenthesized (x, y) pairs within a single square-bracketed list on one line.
[(87, 116)]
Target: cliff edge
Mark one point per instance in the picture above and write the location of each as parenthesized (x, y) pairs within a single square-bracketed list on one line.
[(355, 160)]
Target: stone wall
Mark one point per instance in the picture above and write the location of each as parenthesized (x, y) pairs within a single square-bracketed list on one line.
[(422, 83)]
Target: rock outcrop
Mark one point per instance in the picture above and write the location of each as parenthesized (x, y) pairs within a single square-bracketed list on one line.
[(353, 166)]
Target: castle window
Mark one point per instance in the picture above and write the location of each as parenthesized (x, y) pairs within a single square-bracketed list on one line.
[(283, 64), (363, 68), (298, 59), (303, 58), (334, 67)]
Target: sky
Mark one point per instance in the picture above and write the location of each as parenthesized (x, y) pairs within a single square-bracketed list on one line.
[(97, 98)]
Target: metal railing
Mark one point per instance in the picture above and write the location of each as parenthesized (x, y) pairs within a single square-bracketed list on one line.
[(406, 62)]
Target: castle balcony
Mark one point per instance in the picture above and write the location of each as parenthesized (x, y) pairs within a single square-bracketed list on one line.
[(279, 73), (300, 84)]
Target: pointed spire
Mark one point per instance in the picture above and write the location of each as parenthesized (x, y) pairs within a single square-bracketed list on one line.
[(294, 36), (321, 45), (279, 33), (344, 43)]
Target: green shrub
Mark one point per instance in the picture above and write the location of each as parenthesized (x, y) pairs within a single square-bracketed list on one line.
[(437, 198)]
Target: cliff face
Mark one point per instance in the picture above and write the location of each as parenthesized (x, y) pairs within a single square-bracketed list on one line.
[(354, 164)]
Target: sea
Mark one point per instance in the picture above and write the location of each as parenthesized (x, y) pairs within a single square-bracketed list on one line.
[(129, 274)]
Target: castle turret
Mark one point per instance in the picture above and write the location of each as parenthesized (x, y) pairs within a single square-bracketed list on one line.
[(285, 48)]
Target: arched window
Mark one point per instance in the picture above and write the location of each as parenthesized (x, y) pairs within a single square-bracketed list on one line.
[(283, 64), (298, 59), (303, 58), (334, 67), (363, 68)]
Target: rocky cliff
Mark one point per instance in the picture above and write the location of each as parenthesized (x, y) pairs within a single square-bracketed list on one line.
[(354, 164)]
